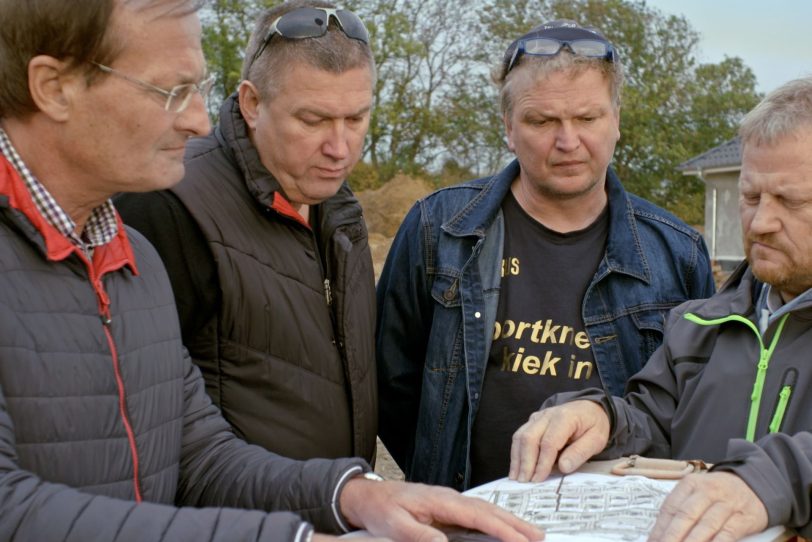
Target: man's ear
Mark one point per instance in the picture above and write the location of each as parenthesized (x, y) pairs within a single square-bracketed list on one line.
[(249, 102), (508, 132), (52, 85)]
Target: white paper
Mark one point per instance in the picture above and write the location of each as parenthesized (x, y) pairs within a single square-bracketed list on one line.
[(589, 507)]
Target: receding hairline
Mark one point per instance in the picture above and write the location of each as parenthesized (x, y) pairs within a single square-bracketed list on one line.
[(279, 85), (527, 76), (119, 30)]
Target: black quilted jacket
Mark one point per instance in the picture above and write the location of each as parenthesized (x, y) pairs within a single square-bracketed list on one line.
[(100, 407)]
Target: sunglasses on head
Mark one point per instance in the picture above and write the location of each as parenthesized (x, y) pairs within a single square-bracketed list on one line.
[(591, 48), (310, 22)]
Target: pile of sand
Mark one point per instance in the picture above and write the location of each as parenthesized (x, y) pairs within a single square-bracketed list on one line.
[(384, 209)]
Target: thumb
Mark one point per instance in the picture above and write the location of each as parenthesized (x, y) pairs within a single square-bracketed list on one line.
[(425, 533)]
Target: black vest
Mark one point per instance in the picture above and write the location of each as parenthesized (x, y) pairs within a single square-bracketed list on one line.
[(290, 372)]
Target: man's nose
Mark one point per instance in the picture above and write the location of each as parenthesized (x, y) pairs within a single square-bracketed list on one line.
[(336, 145), (567, 138), (766, 216), (195, 118)]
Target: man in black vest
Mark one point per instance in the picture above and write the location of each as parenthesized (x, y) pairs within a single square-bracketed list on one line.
[(266, 246)]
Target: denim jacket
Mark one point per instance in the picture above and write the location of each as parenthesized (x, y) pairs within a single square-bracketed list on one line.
[(437, 300)]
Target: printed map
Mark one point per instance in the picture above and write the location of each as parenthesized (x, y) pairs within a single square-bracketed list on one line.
[(595, 507)]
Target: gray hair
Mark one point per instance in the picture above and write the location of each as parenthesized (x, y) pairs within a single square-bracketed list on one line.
[(536, 68), (779, 114), (334, 52)]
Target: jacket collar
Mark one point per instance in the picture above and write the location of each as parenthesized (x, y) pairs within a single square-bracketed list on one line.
[(232, 131), (624, 253), (739, 295), (55, 246)]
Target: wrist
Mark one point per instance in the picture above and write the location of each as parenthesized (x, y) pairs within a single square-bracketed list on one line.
[(355, 495), (372, 476)]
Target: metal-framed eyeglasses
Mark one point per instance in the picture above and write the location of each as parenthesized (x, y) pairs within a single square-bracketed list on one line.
[(177, 98), (592, 48), (311, 22)]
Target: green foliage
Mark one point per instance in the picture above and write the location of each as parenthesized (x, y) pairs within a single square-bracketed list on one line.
[(227, 25), (363, 177), (436, 112), (451, 173)]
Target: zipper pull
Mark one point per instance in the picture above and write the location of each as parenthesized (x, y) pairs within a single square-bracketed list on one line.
[(789, 380), (328, 294)]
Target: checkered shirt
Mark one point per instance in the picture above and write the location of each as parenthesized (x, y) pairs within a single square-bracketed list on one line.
[(101, 227)]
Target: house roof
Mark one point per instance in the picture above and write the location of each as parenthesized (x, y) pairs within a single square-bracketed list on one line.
[(726, 156)]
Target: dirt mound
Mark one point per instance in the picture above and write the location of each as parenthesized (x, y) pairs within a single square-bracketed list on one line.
[(385, 207), (379, 245)]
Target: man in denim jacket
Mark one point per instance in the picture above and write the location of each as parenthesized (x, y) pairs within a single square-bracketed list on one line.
[(545, 277)]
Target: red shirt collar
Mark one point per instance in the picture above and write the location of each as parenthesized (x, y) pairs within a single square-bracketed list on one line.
[(106, 258)]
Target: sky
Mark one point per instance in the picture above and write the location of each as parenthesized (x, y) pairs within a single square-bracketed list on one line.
[(772, 37)]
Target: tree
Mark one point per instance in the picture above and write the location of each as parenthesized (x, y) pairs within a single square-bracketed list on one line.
[(420, 59), (436, 111), (227, 25)]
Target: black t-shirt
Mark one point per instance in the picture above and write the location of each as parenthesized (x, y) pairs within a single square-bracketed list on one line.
[(539, 344)]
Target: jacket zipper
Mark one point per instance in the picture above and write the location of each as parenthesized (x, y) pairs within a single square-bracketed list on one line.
[(328, 294), (790, 377), (106, 320), (765, 354), (122, 405)]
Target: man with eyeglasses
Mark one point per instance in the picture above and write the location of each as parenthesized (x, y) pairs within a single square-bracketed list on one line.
[(266, 246), (106, 432), (543, 278)]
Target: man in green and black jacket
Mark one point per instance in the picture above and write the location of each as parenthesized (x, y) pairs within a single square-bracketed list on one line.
[(731, 383)]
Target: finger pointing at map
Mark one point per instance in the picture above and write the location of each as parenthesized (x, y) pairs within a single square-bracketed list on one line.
[(570, 433)]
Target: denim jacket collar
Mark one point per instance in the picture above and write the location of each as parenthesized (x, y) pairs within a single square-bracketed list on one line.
[(624, 253), (478, 214)]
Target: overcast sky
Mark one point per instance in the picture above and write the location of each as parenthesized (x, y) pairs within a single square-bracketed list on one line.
[(773, 37)]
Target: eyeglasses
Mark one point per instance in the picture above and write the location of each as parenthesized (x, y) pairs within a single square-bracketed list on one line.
[(313, 23), (552, 46), (177, 98)]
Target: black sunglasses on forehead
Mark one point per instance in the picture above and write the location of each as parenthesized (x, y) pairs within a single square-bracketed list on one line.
[(544, 46), (311, 22)]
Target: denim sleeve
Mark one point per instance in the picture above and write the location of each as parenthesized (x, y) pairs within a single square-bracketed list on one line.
[(701, 283), (403, 322)]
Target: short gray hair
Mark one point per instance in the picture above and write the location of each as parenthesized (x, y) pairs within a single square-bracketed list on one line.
[(779, 114), (530, 67), (334, 52)]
